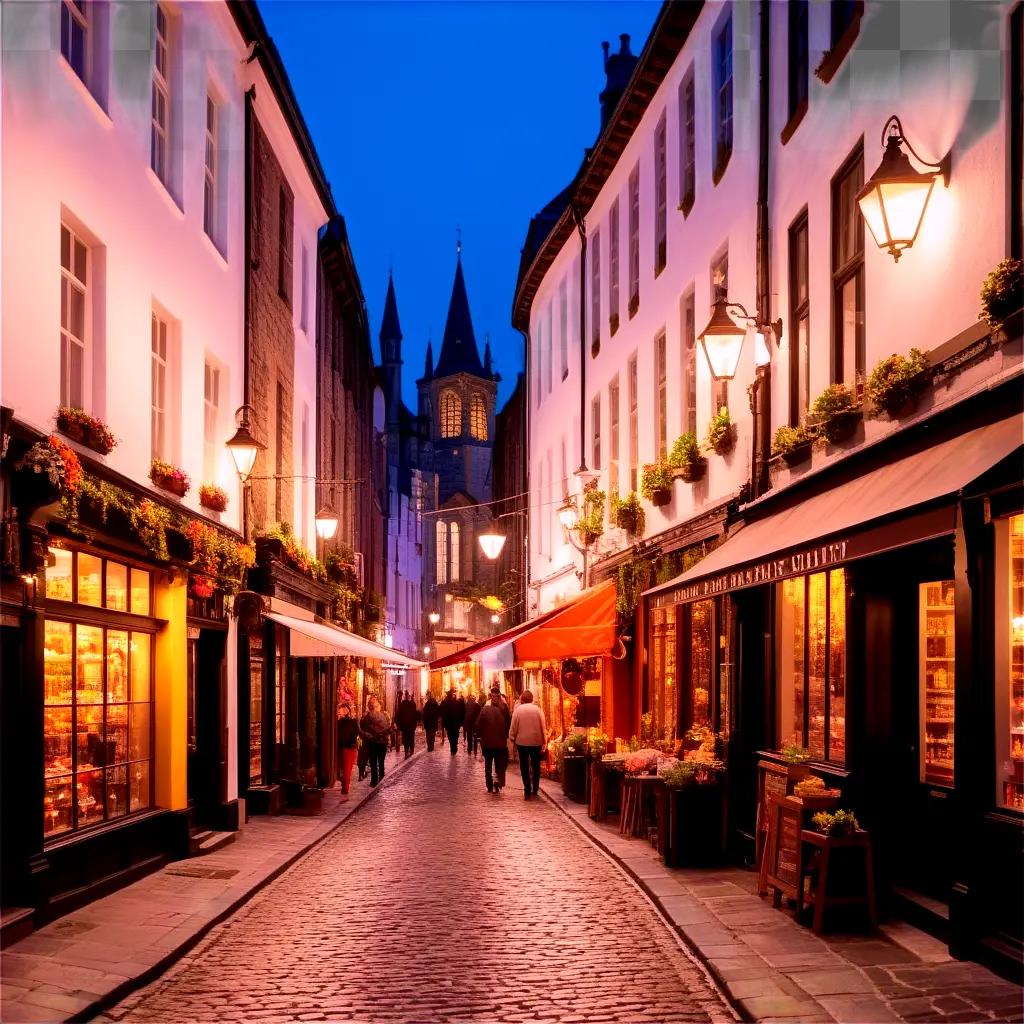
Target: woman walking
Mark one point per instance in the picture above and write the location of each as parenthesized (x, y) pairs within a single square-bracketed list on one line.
[(348, 742), (375, 727), (529, 732)]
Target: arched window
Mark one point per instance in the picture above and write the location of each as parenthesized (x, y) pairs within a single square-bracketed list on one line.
[(478, 417), (441, 536), (455, 552), (451, 414)]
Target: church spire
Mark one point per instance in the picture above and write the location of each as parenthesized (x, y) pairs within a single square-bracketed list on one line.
[(390, 329), (458, 348), (428, 369), (487, 356)]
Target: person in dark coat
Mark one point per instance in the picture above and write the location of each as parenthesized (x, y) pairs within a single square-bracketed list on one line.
[(453, 714), (492, 728), (469, 724), (431, 716), (406, 717), (348, 742), (374, 728)]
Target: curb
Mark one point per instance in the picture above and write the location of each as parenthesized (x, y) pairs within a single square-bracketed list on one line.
[(115, 995)]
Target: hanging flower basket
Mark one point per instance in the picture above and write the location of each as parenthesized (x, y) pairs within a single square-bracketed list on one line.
[(85, 429), (46, 472), (169, 478), (721, 433), (693, 471), (213, 498)]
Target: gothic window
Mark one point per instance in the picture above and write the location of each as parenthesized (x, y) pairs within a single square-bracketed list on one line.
[(451, 414), (442, 551), (478, 417), (453, 561)]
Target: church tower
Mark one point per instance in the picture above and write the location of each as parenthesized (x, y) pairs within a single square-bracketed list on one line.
[(391, 364)]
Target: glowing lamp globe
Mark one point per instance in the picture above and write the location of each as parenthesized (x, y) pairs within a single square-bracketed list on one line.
[(326, 524), (567, 514), (435, 618), (722, 341), (244, 448), (491, 543)]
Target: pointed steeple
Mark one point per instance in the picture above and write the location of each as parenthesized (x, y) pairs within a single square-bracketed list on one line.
[(390, 329), (428, 369), (458, 348), (487, 356)]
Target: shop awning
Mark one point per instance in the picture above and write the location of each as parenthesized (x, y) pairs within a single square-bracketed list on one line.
[(318, 640), (475, 652), (582, 629), (843, 523)]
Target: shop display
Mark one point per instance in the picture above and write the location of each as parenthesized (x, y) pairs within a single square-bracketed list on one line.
[(1012, 774), (937, 672), (256, 722), (663, 673)]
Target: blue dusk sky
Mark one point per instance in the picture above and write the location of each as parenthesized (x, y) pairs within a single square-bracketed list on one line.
[(434, 116)]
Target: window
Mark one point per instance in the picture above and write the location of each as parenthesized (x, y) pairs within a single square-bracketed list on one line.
[(660, 199), (937, 668), (848, 358), (454, 558), (74, 35), (722, 65), (613, 268), (279, 435), (799, 318), (255, 717), (798, 70), (689, 360), (719, 289), (211, 431), (211, 170), (843, 15), (304, 290), (161, 97), (477, 417), (280, 699), (563, 329), (159, 389), (613, 438), (634, 241), (661, 395), (1009, 662), (687, 144), (451, 414), (634, 436), (844, 18), (97, 694), (284, 244), (538, 352), (811, 633), (550, 339), (595, 432), (74, 316), (595, 290), (706, 664), (664, 679), (441, 539)]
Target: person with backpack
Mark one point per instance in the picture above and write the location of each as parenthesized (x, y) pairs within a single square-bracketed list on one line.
[(453, 714)]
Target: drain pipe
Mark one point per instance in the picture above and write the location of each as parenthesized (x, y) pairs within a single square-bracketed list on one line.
[(581, 228)]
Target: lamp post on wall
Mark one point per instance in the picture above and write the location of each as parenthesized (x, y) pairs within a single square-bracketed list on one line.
[(569, 518), (244, 448)]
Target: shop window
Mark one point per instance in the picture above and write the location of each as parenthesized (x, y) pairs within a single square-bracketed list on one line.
[(699, 646), (937, 678), (97, 737), (140, 592), (117, 587), (256, 720), (664, 678), (1010, 663), (811, 651), (60, 580)]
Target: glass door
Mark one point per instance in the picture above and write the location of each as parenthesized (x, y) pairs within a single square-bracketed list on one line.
[(937, 682)]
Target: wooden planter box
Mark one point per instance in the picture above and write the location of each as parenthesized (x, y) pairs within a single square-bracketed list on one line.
[(842, 426), (626, 521), (799, 453), (84, 435), (692, 471), (660, 497), (694, 827), (574, 777), (170, 483)]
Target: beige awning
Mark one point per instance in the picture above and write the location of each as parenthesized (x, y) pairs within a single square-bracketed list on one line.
[(835, 525), (319, 640)]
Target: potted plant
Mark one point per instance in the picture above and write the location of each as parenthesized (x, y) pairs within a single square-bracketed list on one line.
[(837, 411), (656, 483), (47, 471), (628, 513), (836, 823), (574, 767), (590, 525), (213, 497), (1001, 302), (792, 444), (685, 458), (691, 814), (85, 429), (169, 477), (897, 381), (721, 433)]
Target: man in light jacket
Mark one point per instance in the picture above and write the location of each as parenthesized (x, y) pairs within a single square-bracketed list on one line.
[(529, 733)]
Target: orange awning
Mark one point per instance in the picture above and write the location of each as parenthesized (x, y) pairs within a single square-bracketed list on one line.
[(473, 652), (582, 629)]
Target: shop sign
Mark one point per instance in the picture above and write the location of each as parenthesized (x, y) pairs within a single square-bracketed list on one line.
[(193, 632), (805, 560)]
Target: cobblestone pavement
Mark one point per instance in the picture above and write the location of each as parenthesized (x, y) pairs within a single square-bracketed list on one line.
[(439, 902)]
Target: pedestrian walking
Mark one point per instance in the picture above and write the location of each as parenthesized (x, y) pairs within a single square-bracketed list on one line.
[(529, 732), (348, 743), (492, 728), (406, 718), (453, 714), (374, 727), (431, 716), (469, 725)]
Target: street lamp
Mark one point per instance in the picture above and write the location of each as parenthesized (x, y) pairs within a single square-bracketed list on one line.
[(568, 513), (435, 618), (491, 543), (326, 523), (426, 649), (722, 339), (894, 198), (495, 618), (243, 446)]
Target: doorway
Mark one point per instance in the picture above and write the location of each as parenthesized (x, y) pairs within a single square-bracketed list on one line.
[(206, 725)]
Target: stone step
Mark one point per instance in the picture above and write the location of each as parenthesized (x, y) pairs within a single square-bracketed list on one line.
[(206, 841), (15, 924)]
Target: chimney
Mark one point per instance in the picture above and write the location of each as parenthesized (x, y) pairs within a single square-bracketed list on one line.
[(618, 69)]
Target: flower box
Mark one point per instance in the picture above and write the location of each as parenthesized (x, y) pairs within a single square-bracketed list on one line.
[(841, 426), (169, 478), (661, 496), (691, 472), (798, 453), (574, 777), (85, 429), (213, 498)]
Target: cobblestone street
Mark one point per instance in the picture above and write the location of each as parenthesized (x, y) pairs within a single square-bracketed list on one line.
[(441, 902)]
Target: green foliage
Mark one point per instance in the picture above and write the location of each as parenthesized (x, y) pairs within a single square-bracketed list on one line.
[(657, 476), (788, 438), (1002, 293), (590, 525), (685, 451), (835, 399), (677, 774), (719, 437), (836, 823), (634, 577), (629, 513), (576, 744), (793, 753), (896, 378)]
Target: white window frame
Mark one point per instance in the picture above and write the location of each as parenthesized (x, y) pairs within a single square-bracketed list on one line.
[(441, 553), (211, 420), (211, 169), (160, 130), (632, 385), (70, 281), (76, 13), (160, 368), (455, 551)]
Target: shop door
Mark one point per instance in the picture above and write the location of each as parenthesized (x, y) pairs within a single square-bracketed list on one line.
[(207, 753)]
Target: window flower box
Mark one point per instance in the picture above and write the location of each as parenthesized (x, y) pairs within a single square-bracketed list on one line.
[(213, 498), (169, 478), (792, 445), (656, 483), (686, 460), (85, 429), (896, 383), (837, 412)]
